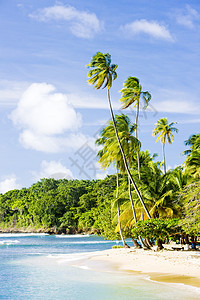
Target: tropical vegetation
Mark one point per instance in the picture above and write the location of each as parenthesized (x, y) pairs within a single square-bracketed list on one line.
[(141, 200)]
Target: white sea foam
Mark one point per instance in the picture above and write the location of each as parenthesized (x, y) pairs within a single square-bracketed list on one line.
[(90, 242), (9, 242), (63, 258), (21, 234), (84, 267), (72, 235)]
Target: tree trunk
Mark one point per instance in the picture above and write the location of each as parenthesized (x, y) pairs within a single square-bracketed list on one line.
[(118, 213), (136, 244), (136, 135), (165, 171), (131, 199), (134, 214), (148, 243), (159, 244), (124, 159), (143, 243)]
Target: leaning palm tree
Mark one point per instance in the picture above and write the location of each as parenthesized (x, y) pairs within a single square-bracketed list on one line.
[(101, 75), (131, 95), (130, 144), (111, 152), (165, 133), (107, 157)]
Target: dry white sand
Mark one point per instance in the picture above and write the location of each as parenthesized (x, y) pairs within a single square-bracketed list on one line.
[(165, 265)]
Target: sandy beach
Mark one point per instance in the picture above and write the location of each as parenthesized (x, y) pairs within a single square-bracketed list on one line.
[(164, 266)]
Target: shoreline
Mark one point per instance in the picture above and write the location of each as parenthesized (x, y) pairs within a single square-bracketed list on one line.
[(170, 267), (50, 231)]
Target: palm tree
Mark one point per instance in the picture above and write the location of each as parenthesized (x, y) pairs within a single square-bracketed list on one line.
[(165, 132), (102, 74), (192, 162), (193, 142), (111, 152), (106, 158), (131, 94)]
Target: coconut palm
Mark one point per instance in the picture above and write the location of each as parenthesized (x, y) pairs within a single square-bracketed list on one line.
[(165, 133), (192, 162), (111, 152), (111, 148), (106, 158), (193, 142), (160, 194), (101, 75), (131, 95)]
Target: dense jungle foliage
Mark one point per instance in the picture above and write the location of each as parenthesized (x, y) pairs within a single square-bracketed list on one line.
[(59, 206)]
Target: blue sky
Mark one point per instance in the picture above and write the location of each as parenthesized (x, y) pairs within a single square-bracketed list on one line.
[(50, 116)]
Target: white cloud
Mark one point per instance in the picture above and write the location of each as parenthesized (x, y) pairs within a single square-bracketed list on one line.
[(188, 17), (174, 106), (8, 184), (11, 91), (190, 121), (152, 28), (53, 169), (91, 101), (48, 121), (101, 175), (166, 100), (81, 23)]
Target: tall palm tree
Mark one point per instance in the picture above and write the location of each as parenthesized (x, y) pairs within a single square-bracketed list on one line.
[(132, 94), (106, 158), (101, 75), (165, 133), (111, 152)]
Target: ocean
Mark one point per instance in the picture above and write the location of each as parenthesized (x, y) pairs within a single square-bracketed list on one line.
[(39, 266)]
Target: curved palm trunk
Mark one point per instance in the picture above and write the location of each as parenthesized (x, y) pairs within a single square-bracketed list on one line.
[(124, 159), (135, 218), (131, 200), (118, 213), (136, 135), (165, 171)]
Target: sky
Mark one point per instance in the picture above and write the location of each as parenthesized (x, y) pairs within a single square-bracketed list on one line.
[(50, 117)]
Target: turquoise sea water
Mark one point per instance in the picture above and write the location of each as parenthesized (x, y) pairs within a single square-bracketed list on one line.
[(48, 267)]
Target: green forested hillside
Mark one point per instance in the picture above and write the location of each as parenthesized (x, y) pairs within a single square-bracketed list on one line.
[(59, 206)]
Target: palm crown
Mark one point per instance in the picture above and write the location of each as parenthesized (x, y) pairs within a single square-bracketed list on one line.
[(111, 151), (102, 71), (132, 92), (164, 130)]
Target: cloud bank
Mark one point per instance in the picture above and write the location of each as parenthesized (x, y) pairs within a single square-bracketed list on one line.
[(151, 28), (53, 169), (175, 101), (82, 24), (47, 121), (8, 184)]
